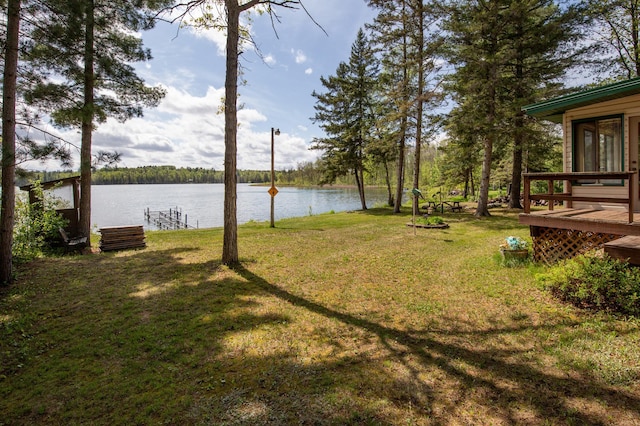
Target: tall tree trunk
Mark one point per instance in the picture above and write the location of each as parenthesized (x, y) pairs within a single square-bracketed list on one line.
[(518, 124), (360, 183), (516, 174), (9, 140), (419, 107), (483, 199), (387, 178), (467, 175), (405, 119), (473, 184), (87, 124), (230, 237), (399, 174)]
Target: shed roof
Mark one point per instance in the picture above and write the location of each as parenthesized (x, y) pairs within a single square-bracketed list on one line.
[(553, 109), (50, 184)]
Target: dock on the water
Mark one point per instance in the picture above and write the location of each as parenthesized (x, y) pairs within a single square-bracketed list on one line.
[(167, 219)]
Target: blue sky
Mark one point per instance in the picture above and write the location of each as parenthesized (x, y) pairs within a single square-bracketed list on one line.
[(186, 131)]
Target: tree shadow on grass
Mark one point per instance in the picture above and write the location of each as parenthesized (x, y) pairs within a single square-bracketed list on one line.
[(510, 388), (173, 345)]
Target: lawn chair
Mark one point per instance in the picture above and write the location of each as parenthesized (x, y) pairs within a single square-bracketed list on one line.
[(72, 244)]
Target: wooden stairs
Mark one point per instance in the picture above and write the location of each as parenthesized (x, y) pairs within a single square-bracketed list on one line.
[(625, 248)]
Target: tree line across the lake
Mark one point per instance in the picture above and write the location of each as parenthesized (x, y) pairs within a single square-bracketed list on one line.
[(306, 174)]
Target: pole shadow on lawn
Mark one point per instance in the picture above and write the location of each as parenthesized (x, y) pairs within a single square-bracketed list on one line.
[(545, 394)]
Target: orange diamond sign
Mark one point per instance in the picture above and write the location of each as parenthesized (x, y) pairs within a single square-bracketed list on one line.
[(273, 191)]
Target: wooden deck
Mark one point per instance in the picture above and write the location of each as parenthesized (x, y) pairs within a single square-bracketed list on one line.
[(561, 232), (589, 220)]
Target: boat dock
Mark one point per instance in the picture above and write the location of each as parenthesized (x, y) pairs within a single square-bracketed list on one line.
[(167, 219)]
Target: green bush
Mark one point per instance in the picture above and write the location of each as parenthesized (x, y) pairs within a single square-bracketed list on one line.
[(596, 282), (430, 220), (36, 225)]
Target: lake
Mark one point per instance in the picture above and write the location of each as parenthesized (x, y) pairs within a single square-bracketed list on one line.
[(202, 204)]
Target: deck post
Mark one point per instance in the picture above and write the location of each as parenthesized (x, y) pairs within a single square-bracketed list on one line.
[(527, 191), (632, 192), (550, 190)]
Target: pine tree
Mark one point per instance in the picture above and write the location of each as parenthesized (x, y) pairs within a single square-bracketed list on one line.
[(9, 92), (507, 53), (345, 113), (542, 48), (478, 51), (83, 56), (403, 33)]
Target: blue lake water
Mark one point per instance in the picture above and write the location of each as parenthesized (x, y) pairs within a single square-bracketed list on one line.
[(117, 205)]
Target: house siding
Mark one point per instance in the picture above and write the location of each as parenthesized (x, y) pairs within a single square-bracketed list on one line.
[(628, 106)]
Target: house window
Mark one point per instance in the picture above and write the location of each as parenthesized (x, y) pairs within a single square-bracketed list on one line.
[(597, 145)]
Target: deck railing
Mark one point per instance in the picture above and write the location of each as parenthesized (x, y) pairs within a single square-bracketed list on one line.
[(569, 179)]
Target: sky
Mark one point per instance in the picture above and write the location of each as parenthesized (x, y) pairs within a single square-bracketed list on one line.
[(186, 130)]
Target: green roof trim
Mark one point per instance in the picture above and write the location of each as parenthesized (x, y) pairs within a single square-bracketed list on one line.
[(553, 109)]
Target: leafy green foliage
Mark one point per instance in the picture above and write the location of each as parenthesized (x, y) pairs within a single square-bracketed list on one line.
[(61, 48), (430, 220), (35, 225), (617, 44), (594, 282)]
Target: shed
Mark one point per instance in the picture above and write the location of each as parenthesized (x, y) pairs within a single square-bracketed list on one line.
[(69, 190)]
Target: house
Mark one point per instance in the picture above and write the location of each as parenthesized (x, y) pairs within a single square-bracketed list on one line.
[(599, 200)]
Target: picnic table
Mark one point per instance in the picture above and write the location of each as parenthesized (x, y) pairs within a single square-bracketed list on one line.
[(440, 205)]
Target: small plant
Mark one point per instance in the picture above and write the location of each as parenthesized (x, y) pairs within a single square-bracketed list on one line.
[(36, 224), (596, 282), (430, 220), (513, 243)]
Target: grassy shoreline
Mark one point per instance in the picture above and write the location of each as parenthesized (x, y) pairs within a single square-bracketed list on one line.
[(348, 318)]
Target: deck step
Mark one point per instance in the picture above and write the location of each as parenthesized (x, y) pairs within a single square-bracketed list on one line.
[(625, 248)]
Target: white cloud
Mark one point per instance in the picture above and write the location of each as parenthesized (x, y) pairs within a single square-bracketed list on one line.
[(218, 37), (215, 27), (300, 57), (185, 130), (308, 71), (270, 60)]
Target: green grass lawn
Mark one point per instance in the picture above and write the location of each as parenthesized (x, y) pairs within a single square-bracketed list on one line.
[(350, 318)]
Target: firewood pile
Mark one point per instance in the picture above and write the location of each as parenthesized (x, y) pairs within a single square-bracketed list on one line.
[(122, 237)]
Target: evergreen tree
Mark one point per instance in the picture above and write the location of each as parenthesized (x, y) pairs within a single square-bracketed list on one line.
[(382, 148), (345, 114), (542, 42), (9, 92), (506, 54), (83, 54), (477, 49), (403, 31)]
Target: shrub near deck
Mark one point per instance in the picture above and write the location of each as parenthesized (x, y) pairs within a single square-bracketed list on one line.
[(599, 283), (330, 319)]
